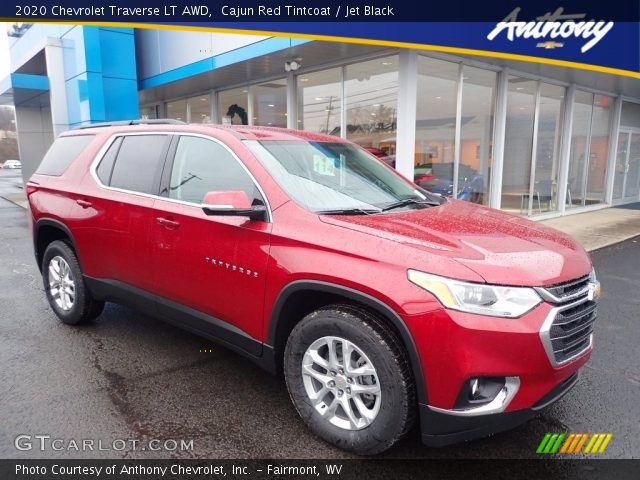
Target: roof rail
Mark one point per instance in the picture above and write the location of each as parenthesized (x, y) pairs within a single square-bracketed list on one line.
[(142, 121)]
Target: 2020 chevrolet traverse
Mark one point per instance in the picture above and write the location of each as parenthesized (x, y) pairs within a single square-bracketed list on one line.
[(383, 304)]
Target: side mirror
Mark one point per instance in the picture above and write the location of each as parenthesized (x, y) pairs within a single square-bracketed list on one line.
[(232, 203)]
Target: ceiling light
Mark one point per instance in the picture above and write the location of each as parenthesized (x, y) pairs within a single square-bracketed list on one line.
[(386, 64), (304, 79), (271, 105), (245, 91), (519, 88), (319, 98)]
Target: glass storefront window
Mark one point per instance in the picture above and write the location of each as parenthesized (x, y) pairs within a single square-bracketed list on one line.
[(177, 110), (270, 103), (596, 173), (319, 101), (436, 124), (582, 107), (200, 109), (149, 112), (476, 134), (233, 106), (518, 143), (545, 176), (630, 116), (371, 90), (589, 149)]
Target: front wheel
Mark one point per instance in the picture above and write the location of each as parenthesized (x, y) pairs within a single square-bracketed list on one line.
[(349, 378)]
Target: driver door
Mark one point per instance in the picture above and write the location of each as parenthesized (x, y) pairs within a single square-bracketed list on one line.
[(210, 271)]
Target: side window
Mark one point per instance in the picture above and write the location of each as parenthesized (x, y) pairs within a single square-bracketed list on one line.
[(139, 163), (63, 151), (202, 166), (105, 167)]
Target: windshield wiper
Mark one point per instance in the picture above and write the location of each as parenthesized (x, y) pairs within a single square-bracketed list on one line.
[(409, 201), (350, 211)]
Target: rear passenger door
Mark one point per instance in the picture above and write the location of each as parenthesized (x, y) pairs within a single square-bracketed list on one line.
[(211, 265), (114, 221)]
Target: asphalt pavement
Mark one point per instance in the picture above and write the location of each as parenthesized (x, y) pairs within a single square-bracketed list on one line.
[(129, 376)]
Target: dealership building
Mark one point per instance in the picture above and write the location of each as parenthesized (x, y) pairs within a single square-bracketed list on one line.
[(534, 139)]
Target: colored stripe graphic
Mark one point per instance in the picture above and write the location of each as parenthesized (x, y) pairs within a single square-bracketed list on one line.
[(572, 443), (581, 443), (567, 442), (604, 445), (543, 443)]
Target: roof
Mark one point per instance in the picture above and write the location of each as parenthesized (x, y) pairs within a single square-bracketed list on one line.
[(242, 132)]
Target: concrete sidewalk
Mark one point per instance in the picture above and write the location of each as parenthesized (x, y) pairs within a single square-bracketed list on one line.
[(600, 228), (594, 230)]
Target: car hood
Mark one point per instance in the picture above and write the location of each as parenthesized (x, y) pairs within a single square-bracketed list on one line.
[(501, 248)]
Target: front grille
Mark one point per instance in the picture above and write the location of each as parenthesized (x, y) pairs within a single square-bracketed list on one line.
[(568, 289), (568, 329), (570, 332)]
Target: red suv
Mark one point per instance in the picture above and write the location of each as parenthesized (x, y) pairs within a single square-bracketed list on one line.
[(381, 302)]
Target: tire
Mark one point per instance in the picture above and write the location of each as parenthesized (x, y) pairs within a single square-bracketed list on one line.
[(368, 335), (72, 308)]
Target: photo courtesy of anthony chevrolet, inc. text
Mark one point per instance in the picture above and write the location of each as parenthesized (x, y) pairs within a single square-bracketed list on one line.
[(273, 239)]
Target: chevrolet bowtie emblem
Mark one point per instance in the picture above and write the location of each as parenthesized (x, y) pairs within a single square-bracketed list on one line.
[(550, 45)]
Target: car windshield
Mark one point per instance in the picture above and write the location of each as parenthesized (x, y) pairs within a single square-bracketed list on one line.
[(337, 177)]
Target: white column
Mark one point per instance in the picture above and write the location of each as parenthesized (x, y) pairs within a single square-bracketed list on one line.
[(292, 101), (213, 101), (565, 148), (495, 188), (613, 149), (406, 118), (57, 86)]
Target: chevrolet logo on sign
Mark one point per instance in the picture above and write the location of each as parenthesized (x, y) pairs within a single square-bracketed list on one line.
[(550, 45)]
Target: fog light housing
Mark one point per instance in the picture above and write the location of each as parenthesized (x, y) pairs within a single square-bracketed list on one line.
[(479, 391)]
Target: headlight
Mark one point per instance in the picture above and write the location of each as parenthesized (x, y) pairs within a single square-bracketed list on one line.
[(595, 290), (477, 298)]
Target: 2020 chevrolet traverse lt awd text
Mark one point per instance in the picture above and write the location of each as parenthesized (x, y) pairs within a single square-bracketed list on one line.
[(381, 302)]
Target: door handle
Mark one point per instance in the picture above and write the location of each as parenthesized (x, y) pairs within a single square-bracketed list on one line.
[(168, 223), (84, 203)]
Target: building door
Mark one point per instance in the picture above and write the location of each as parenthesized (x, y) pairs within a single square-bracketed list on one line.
[(626, 185)]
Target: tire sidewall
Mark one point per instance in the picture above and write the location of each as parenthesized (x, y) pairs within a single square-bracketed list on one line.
[(72, 316), (388, 424)]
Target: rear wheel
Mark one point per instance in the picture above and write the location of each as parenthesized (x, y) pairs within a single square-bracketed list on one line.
[(66, 291), (349, 378)]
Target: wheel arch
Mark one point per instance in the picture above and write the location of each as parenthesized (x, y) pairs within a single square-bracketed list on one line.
[(282, 319), (48, 230)]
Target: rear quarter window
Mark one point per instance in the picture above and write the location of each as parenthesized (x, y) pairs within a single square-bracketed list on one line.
[(139, 162), (63, 151)]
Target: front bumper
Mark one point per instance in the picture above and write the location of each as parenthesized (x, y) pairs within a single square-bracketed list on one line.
[(454, 347), (440, 429)]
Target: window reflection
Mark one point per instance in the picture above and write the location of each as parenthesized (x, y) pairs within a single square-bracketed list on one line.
[(476, 131), (177, 110), (233, 106), (200, 109), (371, 90), (319, 101), (518, 143), (270, 104)]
